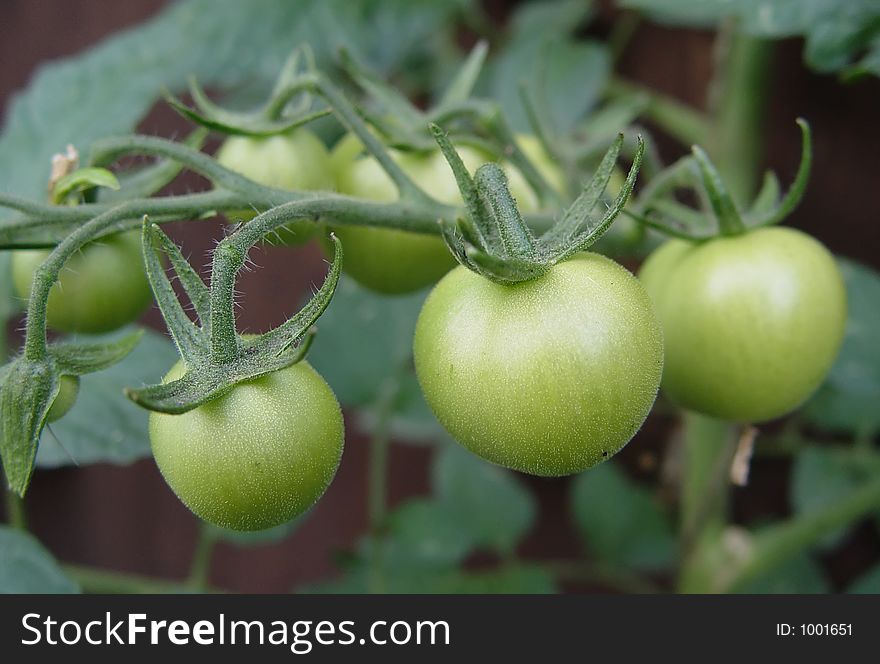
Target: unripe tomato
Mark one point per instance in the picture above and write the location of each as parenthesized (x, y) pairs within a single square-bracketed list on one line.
[(752, 322), (64, 400), (297, 160), (549, 376), (256, 456), (100, 289), (393, 261)]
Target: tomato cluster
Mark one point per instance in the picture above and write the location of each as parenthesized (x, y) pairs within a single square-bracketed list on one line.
[(547, 376)]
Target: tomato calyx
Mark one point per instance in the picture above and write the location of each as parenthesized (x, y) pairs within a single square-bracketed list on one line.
[(657, 208), (494, 241), (216, 356), (276, 116)]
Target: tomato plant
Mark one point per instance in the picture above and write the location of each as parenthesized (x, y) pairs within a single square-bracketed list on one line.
[(549, 376), (100, 289), (506, 195), (752, 323)]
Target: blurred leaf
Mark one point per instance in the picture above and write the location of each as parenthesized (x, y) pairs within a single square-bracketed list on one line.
[(800, 575), (104, 426), (564, 76), (821, 477), (247, 538), (868, 583), (27, 566), (412, 421), (848, 399), (426, 533), (488, 502), (620, 521), (837, 33), (363, 341), (224, 43)]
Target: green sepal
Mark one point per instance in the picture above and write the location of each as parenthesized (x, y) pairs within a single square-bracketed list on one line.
[(27, 390), (73, 358)]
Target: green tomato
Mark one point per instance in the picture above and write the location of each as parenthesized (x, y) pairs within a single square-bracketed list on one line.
[(549, 376), (393, 261), (297, 160), (67, 392), (100, 289), (258, 455), (752, 322)]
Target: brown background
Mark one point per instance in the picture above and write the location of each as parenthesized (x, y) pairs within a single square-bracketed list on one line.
[(127, 519)]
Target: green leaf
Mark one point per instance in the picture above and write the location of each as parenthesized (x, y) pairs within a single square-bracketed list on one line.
[(426, 533), (107, 89), (563, 76), (364, 340), (488, 502), (75, 358), (820, 478), (836, 32), (868, 583), (27, 566), (83, 179), (620, 521), (103, 426), (848, 399), (800, 575)]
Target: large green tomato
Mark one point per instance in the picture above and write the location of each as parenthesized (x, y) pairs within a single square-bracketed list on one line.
[(549, 376), (752, 323), (257, 456), (100, 289), (297, 160), (393, 261)]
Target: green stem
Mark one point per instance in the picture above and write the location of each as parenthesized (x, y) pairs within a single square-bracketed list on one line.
[(377, 483), (790, 538), (708, 448), (200, 567), (15, 512), (679, 120), (100, 581), (737, 100)]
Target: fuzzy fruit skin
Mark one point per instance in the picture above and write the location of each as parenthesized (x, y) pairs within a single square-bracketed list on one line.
[(257, 456), (549, 376), (392, 261), (297, 160), (100, 288), (68, 390), (752, 322)]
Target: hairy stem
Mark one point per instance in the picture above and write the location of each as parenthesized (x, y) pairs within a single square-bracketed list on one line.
[(15, 512)]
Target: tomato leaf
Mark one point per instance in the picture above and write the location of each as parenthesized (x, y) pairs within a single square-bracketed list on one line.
[(28, 567), (621, 522), (77, 358), (126, 73), (822, 476), (103, 426), (800, 575), (848, 399), (564, 76), (462, 481)]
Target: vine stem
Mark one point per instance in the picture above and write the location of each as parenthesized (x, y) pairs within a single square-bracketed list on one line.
[(377, 482), (15, 512), (800, 533), (203, 554)]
